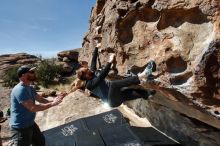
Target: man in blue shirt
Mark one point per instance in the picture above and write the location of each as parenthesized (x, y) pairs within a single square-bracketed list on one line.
[(23, 110)]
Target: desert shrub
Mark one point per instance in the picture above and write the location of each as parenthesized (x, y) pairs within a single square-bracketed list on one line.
[(10, 78), (47, 72)]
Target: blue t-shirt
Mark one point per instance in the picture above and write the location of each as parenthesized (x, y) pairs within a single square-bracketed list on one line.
[(21, 117)]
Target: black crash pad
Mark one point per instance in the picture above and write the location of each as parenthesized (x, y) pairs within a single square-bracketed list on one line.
[(107, 119), (66, 132), (131, 143), (105, 129), (64, 135), (89, 138), (118, 135)]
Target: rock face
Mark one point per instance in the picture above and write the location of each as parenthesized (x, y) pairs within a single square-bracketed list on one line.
[(183, 37), (11, 60), (68, 60)]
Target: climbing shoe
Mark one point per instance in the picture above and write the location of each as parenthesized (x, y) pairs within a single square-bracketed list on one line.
[(151, 67)]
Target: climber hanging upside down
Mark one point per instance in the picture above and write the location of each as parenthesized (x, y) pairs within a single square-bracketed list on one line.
[(117, 91)]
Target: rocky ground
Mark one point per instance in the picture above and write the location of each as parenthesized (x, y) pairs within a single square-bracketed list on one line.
[(4, 104), (4, 96)]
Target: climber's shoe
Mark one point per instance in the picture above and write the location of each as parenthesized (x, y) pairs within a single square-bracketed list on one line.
[(151, 67)]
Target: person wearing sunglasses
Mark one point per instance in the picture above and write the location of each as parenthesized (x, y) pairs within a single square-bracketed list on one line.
[(23, 109)]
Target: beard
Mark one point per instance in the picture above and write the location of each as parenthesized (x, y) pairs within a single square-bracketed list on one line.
[(32, 78)]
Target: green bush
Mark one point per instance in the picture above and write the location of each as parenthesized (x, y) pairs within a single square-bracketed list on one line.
[(47, 71), (10, 78)]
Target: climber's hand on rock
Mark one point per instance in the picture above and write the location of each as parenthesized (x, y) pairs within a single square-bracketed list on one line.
[(111, 58), (98, 45)]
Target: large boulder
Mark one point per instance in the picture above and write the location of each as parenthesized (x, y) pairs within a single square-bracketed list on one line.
[(68, 60), (8, 61), (71, 55), (183, 37)]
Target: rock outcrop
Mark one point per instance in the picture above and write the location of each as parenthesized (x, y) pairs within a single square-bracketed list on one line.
[(183, 37), (8, 61), (69, 55), (68, 60)]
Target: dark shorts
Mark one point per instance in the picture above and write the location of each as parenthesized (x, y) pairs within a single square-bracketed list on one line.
[(27, 136)]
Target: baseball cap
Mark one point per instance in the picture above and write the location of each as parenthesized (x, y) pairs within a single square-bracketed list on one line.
[(24, 69)]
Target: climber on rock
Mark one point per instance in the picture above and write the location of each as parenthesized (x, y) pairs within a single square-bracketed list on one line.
[(117, 91)]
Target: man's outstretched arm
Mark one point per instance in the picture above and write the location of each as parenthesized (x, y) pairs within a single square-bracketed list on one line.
[(31, 106)]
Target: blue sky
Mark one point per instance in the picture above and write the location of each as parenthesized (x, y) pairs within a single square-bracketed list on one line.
[(43, 27)]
